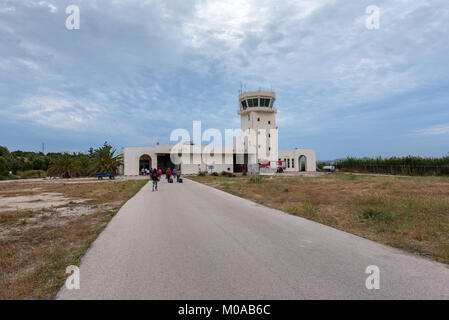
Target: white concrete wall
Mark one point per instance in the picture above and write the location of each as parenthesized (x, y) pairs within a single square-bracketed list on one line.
[(295, 155), (195, 169), (189, 169), (192, 168), (261, 120), (131, 157)]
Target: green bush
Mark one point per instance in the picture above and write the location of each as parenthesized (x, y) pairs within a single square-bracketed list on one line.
[(31, 174), (32, 164), (202, 174), (376, 214), (215, 174), (226, 174), (3, 167), (4, 151), (410, 165)]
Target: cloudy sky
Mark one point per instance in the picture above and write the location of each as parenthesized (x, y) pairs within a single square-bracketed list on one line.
[(137, 69)]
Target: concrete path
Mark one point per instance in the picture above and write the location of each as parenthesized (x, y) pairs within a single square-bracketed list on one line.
[(190, 241)]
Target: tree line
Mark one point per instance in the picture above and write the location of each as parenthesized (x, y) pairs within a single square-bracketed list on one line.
[(22, 164), (410, 165)]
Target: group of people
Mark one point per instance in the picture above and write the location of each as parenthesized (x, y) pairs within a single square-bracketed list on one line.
[(145, 172), (156, 174)]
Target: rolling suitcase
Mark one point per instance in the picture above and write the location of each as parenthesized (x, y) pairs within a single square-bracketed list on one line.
[(180, 180), (170, 180)]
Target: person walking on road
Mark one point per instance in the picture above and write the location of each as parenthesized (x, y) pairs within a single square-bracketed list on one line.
[(155, 178), (174, 174), (159, 172), (168, 174)]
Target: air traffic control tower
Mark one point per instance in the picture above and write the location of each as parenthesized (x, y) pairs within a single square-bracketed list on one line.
[(257, 112)]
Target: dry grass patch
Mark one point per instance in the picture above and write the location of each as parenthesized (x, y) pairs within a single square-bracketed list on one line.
[(411, 213), (37, 245)]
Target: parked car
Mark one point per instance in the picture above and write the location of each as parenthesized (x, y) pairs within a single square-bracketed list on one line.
[(329, 169)]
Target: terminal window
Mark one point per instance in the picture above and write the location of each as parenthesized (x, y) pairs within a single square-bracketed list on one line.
[(256, 102)]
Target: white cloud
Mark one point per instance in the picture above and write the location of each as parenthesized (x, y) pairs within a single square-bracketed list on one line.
[(49, 5), (182, 60), (434, 130), (60, 111), (7, 9), (52, 8)]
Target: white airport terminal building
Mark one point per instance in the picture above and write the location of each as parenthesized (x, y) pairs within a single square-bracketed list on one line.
[(258, 121)]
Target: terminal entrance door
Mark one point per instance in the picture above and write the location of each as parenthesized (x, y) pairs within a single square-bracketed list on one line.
[(240, 162), (145, 162), (164, 162)]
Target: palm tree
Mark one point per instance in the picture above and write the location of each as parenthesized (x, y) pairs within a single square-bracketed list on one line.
[(65, 166), (105, 159)]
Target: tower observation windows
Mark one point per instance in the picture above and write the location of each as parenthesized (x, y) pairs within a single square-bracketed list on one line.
[(256, 102), (264, 102)]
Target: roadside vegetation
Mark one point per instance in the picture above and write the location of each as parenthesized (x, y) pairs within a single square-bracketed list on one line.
[(411, 213), (52, 228), (25, 165), (411, 165)]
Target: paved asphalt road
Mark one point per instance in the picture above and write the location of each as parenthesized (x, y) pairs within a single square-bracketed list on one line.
[(190, 241)]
